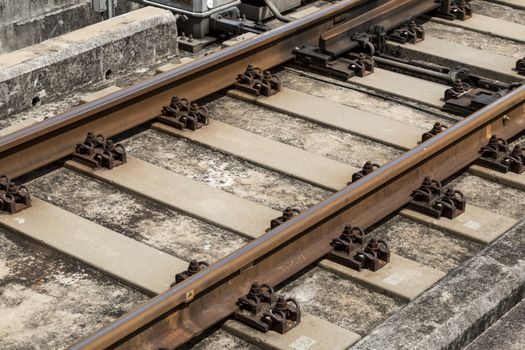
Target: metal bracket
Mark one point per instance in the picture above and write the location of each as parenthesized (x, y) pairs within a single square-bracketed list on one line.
[(454, 9), (13, 198), (194, 267), (367, 169), (436, 129), (463, 100), (97, 152), (346, 67), (520, 66), (264, 310), (288, 213), (495, 155), (182, 114), (431, 199), (356, 250), (409, 32), (257, 83)]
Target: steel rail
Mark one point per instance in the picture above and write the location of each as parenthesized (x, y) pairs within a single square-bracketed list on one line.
[(175, 316), (55, 138)]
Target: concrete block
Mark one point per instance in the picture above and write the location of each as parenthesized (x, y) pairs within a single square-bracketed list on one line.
[(32, 30), (311, 334), (507, 333), (67, 63), (462, 305), (306, 166), (401, 278)]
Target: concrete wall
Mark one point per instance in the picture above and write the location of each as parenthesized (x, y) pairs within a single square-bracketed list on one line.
[(61, 65), (27, 22)]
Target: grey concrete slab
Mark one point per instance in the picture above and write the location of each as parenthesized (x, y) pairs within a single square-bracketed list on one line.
[(404, 86), (35, 74), (311, 334), (475, 223), (319, 110), (204, 202), (509, 179), (489, 25), (303, 165), (519, 4), (508, 333), (447, 53), (462, 305), (124, 258), (167, 67), (401, 278)]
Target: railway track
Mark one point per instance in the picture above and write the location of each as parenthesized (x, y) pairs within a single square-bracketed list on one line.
[(211, 194)]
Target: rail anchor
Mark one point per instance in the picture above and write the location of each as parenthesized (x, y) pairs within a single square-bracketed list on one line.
[(497, 156), (433, 200), (288, 213), (356, 250), (193, 268), (257, 82), (520, 66), (97, 152), (368, 168), (264, 310), (436, 129), (182, 114), (409, 32), (454, 9), (13, 198)]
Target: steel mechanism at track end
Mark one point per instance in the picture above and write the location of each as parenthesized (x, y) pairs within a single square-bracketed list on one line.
[(436, 129), (496, 155), (257, 82), (97, 152), (356, 250), (454, 9), (520, 66), (408, 33), (13, 198), (368, 168), (264, 310), (434, 200), (183, 114), (288, 213), (193, 268)]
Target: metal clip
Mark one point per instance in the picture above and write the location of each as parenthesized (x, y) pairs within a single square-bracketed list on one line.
[(182, 114), (13, 198), (495, 155), (430, 200), (357, 251), (288, 213), (193, 268), (257, 83), (436, 129), (455, 9), (463, 100), (409, 32), (264, 310), (368, 168), (97, 152), (520, 66)]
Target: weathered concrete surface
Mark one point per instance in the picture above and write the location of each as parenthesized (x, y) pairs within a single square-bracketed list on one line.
[(462, 305), (49, 301), (28, 22), (507, 333), (37, 74)]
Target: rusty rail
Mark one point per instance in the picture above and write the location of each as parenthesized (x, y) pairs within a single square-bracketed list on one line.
[(55, 138), (185, 310)]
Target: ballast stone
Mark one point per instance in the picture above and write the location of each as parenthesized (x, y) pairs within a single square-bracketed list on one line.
[(58, 66), (462, 305)]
